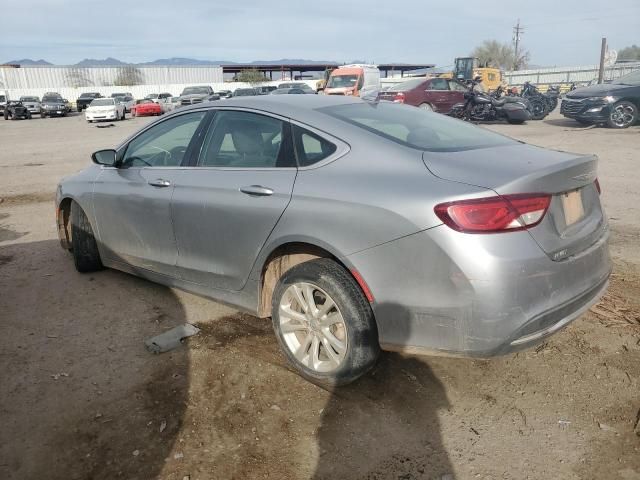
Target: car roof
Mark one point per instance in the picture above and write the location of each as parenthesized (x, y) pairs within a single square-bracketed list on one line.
[(303, 108)]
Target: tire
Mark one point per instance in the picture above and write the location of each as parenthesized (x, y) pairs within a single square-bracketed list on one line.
[(79, 109), (133, 113), (515, 122), (84, 248), (622, 115), (359, 348), (427, 106), (28, 117), (124, 115), (6, 115), (539, 108), (43, 115)]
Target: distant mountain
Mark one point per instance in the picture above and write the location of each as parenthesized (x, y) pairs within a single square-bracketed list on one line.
[(28, 61), (185, 61), (92, 62)]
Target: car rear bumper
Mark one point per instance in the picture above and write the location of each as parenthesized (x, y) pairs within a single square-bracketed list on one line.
[(449, 293)]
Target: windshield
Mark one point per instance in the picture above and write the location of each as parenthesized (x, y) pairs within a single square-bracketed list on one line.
[(341, 81), (102, 102), (89, 95), (29, 99), (52, 99), (406, 86), (415, 128), (630, 79), (196, 91)]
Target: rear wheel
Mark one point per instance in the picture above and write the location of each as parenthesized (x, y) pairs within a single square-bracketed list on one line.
[(623, 115), (324, 324), (86, 256), (427, 107)]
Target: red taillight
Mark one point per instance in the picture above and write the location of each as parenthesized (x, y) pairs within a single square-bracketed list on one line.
[(398, 98), (598, 186), (507, 213)]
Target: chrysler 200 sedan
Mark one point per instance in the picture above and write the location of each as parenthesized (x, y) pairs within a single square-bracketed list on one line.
[(355, 226)]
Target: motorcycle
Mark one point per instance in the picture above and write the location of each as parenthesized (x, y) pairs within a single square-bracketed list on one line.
[(552, 94), (539, 102), (482, 107)]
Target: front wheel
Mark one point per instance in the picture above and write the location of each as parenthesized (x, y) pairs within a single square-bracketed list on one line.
[(86, 256), (324, 324), (623, 115), (539, 108)]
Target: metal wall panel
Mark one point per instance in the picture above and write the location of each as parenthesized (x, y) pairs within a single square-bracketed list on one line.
[(559, 75)]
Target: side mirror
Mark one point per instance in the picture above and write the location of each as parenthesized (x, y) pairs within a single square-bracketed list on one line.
[(104, 157)]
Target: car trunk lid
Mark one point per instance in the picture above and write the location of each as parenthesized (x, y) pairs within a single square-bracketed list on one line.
[(575, 219)]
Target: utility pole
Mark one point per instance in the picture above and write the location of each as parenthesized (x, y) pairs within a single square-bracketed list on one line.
[(517, 31), (603, 52)]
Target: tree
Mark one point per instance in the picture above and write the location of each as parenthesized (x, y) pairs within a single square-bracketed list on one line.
[(251, 76), (630, 53), (128, 76), (77, 77), (500, 55)]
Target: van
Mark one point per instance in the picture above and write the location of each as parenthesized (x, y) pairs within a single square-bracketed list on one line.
[(353, 80)]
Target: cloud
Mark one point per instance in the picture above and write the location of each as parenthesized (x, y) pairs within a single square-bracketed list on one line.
[(403, 31)]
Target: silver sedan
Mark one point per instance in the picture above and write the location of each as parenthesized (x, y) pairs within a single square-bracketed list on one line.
[(355, 226)]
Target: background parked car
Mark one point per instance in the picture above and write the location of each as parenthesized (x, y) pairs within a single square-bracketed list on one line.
[(245, 92), (32, 104), (266, 89), (3, 101), (85, 99), (170, 104), (158, 97), (15, 109), (197, 94), (437, 94), (300, 85), (614, 104), (52, 105), (146, 107), (286, 91), (105, 109), (127, 100), (225, 93)]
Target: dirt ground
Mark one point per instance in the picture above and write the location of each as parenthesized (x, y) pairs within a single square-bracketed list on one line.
[(80, 398)]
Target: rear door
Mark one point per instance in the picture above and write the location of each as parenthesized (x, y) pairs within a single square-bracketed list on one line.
[(225, 206), (439, 95)]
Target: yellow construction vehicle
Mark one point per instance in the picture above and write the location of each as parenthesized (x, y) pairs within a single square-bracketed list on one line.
[(467, 68), (320, 84)]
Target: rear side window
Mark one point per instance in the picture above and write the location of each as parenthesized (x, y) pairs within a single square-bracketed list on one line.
[(310, 147), (415, 128), (439, 84)]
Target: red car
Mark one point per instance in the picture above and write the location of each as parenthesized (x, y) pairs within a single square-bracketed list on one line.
[(145, 107), (437, 94)]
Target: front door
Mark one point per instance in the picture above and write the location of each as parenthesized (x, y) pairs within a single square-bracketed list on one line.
[(133, 202), (225, 206)]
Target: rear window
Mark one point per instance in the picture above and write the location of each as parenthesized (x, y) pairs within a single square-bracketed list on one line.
[(416, 128), (405, 86)]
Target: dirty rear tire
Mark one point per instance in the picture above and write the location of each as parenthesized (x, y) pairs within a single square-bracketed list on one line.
[(83, 244), (363, 348)]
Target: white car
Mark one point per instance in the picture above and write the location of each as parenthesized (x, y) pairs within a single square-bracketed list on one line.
[(104, 109), (32, 104)]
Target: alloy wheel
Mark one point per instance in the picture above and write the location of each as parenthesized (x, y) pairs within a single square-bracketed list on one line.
[(313, 327), (622, 115)]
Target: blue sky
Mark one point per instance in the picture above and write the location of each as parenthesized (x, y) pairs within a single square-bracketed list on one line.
[(561, 32)]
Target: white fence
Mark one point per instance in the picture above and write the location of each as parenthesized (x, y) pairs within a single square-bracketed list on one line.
[(140, 81), (560, 75)]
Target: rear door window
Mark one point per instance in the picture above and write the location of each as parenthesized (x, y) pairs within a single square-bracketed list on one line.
[(246, 140), (439, 84)]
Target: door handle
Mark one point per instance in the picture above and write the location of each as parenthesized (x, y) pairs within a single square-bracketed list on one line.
[(159, 182), (257, 190)]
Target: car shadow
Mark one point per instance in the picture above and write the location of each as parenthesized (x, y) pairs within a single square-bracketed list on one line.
[(80, 396), (385, 425), (568, 123)]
